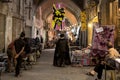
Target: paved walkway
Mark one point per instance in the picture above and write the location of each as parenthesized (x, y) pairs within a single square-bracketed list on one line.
[(44, 70)]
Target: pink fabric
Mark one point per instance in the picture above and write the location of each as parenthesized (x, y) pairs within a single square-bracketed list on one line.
[(85, 61), (100, 39)]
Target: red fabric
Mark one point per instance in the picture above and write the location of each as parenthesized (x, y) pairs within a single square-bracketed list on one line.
[(10, 46), (100, 39)]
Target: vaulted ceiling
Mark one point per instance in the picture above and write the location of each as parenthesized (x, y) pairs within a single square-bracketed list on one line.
[(72, 7)]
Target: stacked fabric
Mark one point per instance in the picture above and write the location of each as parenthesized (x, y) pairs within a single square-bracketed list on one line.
[(81, 57)]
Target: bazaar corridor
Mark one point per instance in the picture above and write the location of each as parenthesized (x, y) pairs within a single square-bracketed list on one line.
[(82, 27), (44, 70)]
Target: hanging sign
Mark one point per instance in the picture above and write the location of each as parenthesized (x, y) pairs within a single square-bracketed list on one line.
[(83, 21), (58, 16), (100, 29)]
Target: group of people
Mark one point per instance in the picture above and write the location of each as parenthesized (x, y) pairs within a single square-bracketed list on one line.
[(61, 55), (19, 49)]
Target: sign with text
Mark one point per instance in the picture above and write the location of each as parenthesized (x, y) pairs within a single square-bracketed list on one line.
[(100, 29)]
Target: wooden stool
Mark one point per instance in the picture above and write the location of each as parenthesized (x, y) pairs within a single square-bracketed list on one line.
[(110, 75)]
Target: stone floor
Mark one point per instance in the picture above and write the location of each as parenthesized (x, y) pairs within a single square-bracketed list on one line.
[(44, 70)]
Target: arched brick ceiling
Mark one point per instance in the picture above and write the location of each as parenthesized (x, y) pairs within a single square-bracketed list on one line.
[(72, 8)]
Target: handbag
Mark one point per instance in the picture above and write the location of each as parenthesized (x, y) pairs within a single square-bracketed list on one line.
[(111, 62)]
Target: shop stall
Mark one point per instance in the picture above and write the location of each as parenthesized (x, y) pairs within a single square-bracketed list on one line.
[(81, 57)]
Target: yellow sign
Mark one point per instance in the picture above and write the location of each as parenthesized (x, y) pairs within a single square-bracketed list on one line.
[(83, 21)]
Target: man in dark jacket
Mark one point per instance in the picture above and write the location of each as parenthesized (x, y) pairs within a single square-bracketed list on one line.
[(19, 45)]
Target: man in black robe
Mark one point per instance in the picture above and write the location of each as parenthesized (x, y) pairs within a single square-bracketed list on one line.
[(61, 55)]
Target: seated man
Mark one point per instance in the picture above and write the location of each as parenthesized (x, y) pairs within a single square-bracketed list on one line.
[(112, 54)]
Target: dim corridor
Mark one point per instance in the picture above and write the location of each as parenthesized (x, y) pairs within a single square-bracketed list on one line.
[(44, 70)]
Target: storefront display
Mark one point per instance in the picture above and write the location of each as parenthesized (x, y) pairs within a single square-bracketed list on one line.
[(101, 35), (81, 57)]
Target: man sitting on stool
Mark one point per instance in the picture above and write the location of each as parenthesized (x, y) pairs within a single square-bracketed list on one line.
[(112, 54)]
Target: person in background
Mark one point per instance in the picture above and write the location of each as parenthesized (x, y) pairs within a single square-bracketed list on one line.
[(41, 44), (112, 54), (19, 45)]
